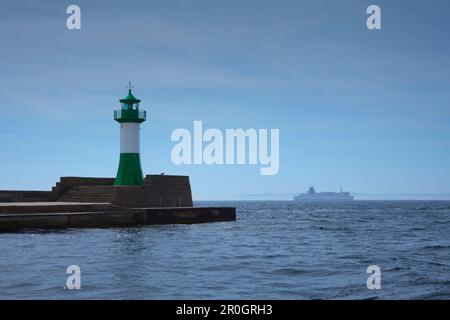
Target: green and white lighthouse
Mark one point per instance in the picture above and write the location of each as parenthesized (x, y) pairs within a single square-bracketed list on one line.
[(130, 118)]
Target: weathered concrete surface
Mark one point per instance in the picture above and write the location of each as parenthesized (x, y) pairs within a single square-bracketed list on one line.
[(26, 196), (51, 207), (123, 218)]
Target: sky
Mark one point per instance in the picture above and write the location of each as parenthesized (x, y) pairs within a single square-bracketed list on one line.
[(365, 109)]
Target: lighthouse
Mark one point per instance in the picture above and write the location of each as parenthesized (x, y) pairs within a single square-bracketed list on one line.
[(130, 118)]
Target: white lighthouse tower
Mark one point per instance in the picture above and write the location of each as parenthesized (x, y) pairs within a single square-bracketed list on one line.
[(130, 118)]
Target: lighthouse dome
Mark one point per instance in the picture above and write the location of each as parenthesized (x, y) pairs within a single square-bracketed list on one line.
[(130, 98)]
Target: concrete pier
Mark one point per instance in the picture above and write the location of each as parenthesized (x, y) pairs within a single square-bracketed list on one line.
[(19, 216), (80, 202)]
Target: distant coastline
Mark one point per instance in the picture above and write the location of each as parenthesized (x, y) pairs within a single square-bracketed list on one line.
[(358, 196)]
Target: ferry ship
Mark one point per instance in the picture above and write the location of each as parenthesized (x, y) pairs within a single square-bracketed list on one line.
[(313, 196)]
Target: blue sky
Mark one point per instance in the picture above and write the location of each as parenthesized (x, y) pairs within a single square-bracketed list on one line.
[(368, 110)]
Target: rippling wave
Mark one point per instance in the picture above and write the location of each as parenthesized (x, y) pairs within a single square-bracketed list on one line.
[(275, 250)]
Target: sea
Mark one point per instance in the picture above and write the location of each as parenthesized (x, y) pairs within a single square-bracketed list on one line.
[(275, 250)]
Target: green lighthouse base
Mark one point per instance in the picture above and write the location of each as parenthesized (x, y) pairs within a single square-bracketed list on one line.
[(129, 172)]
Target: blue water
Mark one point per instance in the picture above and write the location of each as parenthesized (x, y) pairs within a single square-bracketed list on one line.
[(276, 250)]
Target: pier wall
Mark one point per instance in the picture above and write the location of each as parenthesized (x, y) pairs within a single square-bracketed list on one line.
[(27, 196), (115, 218), (157, 191)]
